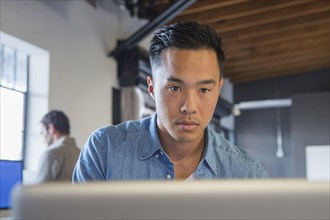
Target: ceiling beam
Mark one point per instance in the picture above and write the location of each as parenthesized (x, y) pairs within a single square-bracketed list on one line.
[(283, 60), (281, 74), (272, 16), (276, 27), (295, 34), (271, 73), (278, 48), (206, 5), (238, 10)]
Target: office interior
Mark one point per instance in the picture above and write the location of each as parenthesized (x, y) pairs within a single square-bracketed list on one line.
[(274, 103)]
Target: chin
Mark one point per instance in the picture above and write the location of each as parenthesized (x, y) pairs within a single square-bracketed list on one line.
[(184, 138)]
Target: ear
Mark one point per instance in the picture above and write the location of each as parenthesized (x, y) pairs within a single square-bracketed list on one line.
[(51, 128), (220, 84), (150, 87)]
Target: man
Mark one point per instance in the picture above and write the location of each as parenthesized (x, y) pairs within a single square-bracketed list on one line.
[(58, 161), (175, 143)]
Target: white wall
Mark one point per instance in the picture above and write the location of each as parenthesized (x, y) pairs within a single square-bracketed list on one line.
[(78, 38)]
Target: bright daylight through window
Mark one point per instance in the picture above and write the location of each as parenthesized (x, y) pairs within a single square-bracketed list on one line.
[(14, 75), (13, 91)]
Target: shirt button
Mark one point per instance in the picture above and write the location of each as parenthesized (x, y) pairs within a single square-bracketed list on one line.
[(168, 176), (157, 156), (161, 152)]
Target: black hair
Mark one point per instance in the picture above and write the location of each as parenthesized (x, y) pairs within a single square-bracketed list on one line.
[(59, 120), (185, 35)]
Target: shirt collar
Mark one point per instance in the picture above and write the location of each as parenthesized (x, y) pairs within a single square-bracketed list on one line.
[(58, 141), (152, 144)]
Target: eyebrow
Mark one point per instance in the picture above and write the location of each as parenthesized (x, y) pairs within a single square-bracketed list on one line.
[(171, 79), (202, 82), (208, 81)]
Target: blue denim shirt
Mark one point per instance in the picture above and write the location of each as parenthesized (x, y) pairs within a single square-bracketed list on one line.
[(132, 151)]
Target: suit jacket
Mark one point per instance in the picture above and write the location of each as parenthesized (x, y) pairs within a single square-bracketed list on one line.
[(58, 161)]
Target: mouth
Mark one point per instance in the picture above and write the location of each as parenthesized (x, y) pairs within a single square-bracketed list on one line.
[(187, 125)]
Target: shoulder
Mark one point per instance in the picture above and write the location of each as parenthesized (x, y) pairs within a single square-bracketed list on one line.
[(52, 154), (117, 136), (67, 146), (235, 151), (234, 158), (224, 146), (123, 129)]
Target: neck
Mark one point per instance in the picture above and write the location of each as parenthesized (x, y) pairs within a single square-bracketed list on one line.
[(58, 136), (180, 150)]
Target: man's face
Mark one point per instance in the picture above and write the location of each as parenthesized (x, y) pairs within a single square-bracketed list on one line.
[(47, 135), (186, 89)]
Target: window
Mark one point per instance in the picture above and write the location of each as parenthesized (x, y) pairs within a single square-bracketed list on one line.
[(13, 95)]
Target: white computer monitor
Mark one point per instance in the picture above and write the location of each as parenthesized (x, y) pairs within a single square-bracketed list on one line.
[(231, 199)]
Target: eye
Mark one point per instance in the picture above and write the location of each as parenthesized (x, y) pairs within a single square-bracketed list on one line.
[(204, 90), (174, 89)]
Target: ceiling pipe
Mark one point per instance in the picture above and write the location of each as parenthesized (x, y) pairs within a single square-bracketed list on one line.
[(172, 11), (261, 104)]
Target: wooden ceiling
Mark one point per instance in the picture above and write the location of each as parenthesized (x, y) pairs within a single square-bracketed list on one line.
[(265, 38)]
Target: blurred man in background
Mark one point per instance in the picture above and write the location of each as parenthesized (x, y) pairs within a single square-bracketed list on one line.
[(62, 154)]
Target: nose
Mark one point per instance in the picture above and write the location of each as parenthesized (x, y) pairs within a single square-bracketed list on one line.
[(189, 104)]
